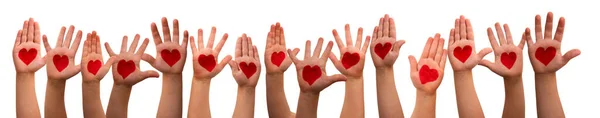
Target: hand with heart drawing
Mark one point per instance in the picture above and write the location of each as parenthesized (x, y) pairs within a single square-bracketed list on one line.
[(205, 58), (246, 66), (126, 68), (312, 76), (545, 54), (508, 57), (276, 56), (170, 55), (353, 56), (26, 51), (384, 47), (62, 64), (428, 73), (92, 62), (461, 46)]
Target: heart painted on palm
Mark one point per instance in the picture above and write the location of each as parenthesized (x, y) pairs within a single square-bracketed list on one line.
[(311, 74), (508, 59), (60, 62), (125, 68), (277, 58), (545, 55), (171, 57), (248, 69), (350, 59), (427, 75), (207, 62), (462, 54), (382, 50), (93, 66), (27, 56)]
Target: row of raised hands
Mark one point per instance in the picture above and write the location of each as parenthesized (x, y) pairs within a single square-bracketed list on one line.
[(426, 73)]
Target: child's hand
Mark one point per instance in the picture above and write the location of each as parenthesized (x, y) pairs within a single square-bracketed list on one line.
[(428, 73), (461, 46), (384, 47), (246, 66), (276, 58), (26, 51), (170, 55), (61, 60), (205, 58), (312, 76), (353, 56), (126, 68), (508, 57), (94, 68)]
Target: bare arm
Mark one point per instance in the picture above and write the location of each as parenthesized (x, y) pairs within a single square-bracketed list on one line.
[(276, 101), (55, 99), (244, 107), (547, 99), (92, 105), (514, 104), (466, 96), (387, 96), (354, 100), (170, 105), (199, 106), (119, 99), (307, 105), (424, 106), (27, 105)]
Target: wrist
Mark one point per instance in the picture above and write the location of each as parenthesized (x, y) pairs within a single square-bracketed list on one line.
[(274, 76), (56, 82), (25, 74), (384, 69), (308, 94), (246, 90), (426, 95), (512, 80)]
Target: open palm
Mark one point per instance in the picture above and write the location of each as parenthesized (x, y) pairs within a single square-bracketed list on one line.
[(353, 56), (126, 68), (276, 56), (428, 73), (461, 46), (94, 68), (61, 63), (312, 76), (170, 55), (205, 58), (246, 66), (26, 50), (508, 57), (384, 47)]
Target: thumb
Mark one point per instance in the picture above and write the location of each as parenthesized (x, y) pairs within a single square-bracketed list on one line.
[(571, 54), (413, 63), (234, 67), (107, 65), (487, 63), (150, 74), (484, 52), (73, 71), (224, 62), (336, 78), (338, 65), (148, 58)]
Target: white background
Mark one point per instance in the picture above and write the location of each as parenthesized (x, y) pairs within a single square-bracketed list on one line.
[(308, 20)]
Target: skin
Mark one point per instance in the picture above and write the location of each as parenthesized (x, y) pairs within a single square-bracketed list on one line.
[(55, 88), (199, 106), (514, 105), (276, 100), (547, 98), (92, 51), (119, 97), (248, 53), (434, 56), (466, 97), (170, 105), (26, 100), (388, 102), (309, 94), (354, 100)]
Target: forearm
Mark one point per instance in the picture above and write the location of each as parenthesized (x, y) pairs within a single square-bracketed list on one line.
[(387, 97), (170, 98), (92, 106), (244, 107), (26, 100), (199, 106), (54, 106), (119, 99), (425, 105), (354, 102), (307, 105), (276, 101), (466, 96), (514, 104), (548, 101)]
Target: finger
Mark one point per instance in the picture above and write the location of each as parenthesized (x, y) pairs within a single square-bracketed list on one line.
[(527, 34), (425, 52), (18, 38), (307, 50), (211, 38), (176, 31), (244, 45), (365, 46), (148, 58), (276, 34), (359, 38), (106, 66), (124, 45), (142, 48), (463, 27), (397, 45), (338, 65), (200, 39), (281, 36), (97, 44), (134, 44), (234, 67), (61, 36), (69, 36), (293, 55), (256, 54), (470, 33), (509, 39), (500, 33), (336, 78), (487, 63), (484, 52), (37, 33), (327, 51), (348, 35), (238, 47), (109, 50), (374, 35), (222, 42), (30, 30), (538, 28), (155, 34), (24, 31), (560, 30), (451, 37), (571, 54), (149, 74), (225, 61), (46, 44), (413, 63), (338, 40), (86, 46), (186, 35), (457, 30), (75, 45), (443, 61), (73, 71), (549, 22), (440, 49), (434, 46), (492, 38), (380, 27), (522, 42), (165, 29), (318, 48), (250, 48), (392, 28), (193, 45)]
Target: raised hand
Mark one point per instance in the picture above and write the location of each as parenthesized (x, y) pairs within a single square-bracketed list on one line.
[(246, 66), (312, 76), (205, 57), (26, 50), (545, 54), (94, 68), (461, 46), (353, 56), (62, 64), (170, 55), (508, 57), (276, 58), (384, 47), (428, 73), (126, 68)]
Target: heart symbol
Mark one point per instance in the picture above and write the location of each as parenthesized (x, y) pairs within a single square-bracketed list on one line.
[(27, 56), (60, 62), (125, 68), (208, 62), (463, 54), (508, 59), (311, 74), (350, 59), (94, 66), (277, 58), (171, 57), (382, 50), (427, 75), (545, 56), (248, 69)]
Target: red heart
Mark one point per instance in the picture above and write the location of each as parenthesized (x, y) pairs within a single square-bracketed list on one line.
[(94, 66), (27, 56), (508, 59), (427, 75), (248, 69), (60, 62), (545, 56), (171, 57), (350, 59), (382, 50), (311, 74), (277, 58), (125, 68), (208, 62), (463, 54)]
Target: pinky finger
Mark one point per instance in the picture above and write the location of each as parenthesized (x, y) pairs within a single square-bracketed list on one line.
[(18, 40), (443, 61), (46, 44), (256, 53)]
